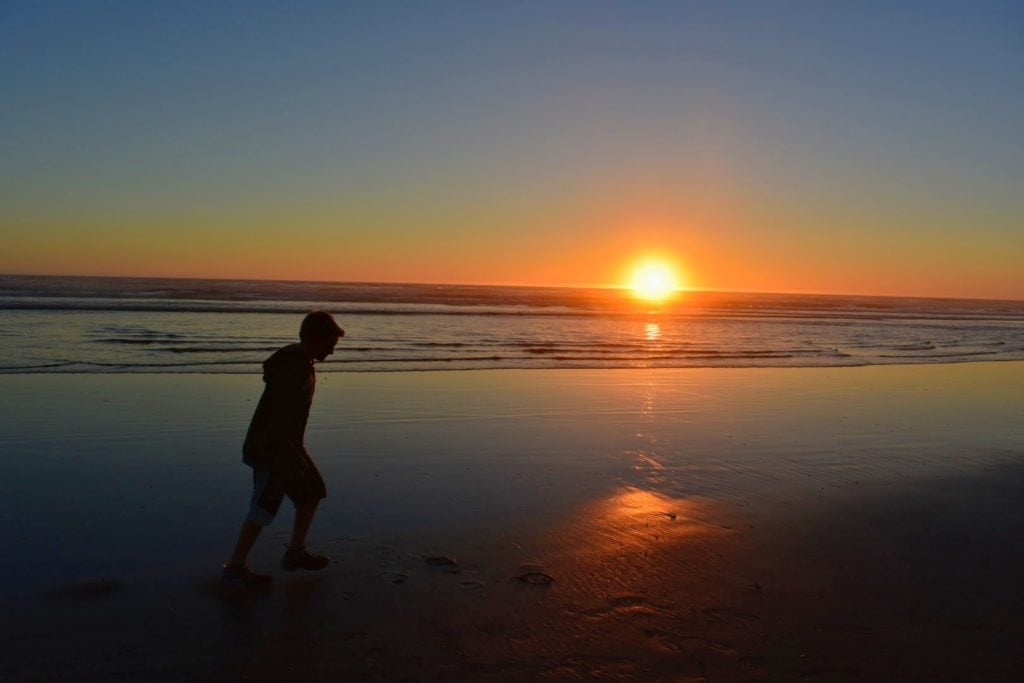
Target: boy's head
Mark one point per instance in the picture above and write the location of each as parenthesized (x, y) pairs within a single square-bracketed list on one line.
[(319, 333)]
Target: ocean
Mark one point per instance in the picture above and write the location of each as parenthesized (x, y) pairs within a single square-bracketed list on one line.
[(123, 325)]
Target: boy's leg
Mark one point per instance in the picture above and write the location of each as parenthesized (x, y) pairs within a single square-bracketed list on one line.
[(297, 557), (303, 520), (236, 572), (246, 539), (266, 499), (305, 491)]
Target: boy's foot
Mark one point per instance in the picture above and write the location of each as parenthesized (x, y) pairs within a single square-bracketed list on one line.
[(243, 576), (300, 558)]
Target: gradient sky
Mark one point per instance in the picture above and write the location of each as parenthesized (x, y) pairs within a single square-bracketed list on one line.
[(856, 147)]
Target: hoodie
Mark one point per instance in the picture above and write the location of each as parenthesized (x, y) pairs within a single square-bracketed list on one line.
[(275, 436)]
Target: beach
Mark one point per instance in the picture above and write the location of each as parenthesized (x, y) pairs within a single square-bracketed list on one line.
[(696, 524), (645, 342)]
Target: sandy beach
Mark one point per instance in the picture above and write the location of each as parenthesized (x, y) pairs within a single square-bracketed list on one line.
[(832, 524)]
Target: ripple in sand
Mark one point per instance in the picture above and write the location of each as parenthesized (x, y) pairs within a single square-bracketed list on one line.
[(621, 604)]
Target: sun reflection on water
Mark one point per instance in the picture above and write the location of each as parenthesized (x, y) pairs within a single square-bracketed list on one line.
[(652, 332)]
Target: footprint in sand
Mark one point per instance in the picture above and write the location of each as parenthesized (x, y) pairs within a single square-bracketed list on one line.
[(536, 578), (444, 562), (393, 576), (534, 575)]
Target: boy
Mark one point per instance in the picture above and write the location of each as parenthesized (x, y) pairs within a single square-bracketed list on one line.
[(274, 449)]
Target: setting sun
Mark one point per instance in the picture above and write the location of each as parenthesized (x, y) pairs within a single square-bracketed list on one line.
[(654, 281)]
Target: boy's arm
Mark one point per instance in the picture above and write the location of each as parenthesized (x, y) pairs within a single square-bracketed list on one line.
[(286, 394)]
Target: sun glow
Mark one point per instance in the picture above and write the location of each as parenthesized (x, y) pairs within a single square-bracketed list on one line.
[(654, 281)]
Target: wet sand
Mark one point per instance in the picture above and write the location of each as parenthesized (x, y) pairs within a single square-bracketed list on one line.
[(751, 524)]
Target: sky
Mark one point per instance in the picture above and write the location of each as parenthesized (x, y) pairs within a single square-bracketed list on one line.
[(832, 147)]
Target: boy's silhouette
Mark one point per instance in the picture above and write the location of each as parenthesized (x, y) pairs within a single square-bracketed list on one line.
[(275, 451)]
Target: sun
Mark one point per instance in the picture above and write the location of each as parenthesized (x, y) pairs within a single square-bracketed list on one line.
[(654, 281)]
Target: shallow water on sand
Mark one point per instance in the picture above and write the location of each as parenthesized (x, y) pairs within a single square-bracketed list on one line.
[(113, 475), (755, 524)]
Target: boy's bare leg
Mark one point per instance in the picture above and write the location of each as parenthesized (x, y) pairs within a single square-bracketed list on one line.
[(303, 519), (246, 539)]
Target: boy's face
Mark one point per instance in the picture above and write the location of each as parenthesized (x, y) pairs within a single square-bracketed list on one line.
[(322, 348)]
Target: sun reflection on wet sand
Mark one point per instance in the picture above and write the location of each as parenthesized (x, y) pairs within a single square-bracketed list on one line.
[(634, 521), (643, 582)]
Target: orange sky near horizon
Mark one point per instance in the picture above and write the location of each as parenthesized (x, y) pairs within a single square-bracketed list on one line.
[(710, 242), (893, 267)]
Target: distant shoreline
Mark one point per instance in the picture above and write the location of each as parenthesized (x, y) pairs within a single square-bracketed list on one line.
[(537, 287)]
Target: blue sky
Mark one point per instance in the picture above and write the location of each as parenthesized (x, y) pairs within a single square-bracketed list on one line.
[(724, 129)]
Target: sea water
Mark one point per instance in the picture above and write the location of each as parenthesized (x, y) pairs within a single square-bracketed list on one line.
[(110, 325)]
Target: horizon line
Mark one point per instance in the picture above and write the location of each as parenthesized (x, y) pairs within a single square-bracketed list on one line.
[(701, 290)]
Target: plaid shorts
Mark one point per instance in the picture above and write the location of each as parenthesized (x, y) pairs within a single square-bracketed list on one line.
[(269, 487)]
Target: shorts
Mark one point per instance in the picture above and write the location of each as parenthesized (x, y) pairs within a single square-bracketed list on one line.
[(269, 489)]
